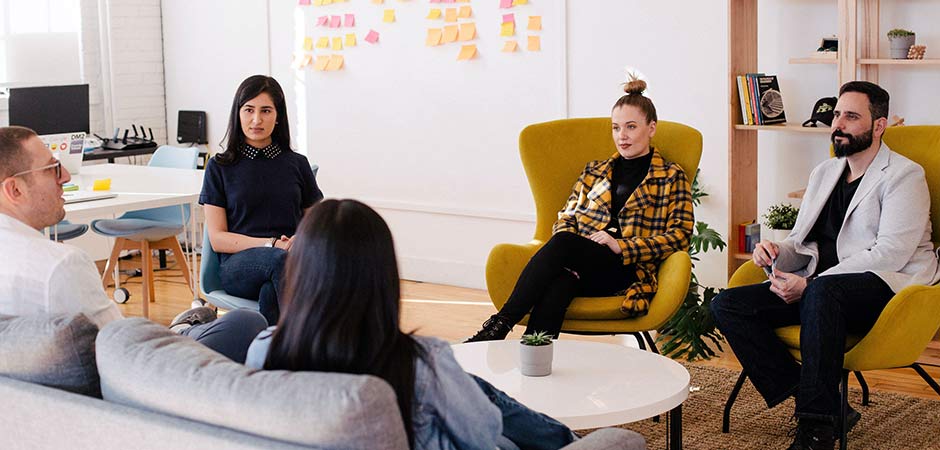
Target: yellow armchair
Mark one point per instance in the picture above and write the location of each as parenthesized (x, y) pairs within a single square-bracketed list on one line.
[(553, 155)]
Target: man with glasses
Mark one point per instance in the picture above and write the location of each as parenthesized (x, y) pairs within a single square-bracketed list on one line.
[(42, 276)]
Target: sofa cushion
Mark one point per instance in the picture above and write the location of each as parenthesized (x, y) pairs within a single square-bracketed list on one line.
[(54, 350), (144, 365)]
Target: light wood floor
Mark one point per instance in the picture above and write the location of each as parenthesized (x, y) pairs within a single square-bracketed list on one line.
[(454, 313)]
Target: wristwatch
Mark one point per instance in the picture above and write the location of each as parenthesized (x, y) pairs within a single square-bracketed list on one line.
[(270, 242)]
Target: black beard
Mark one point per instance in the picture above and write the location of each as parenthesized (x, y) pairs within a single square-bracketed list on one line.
[(854, 145)]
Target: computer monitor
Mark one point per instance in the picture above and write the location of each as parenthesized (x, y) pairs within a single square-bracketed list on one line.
[(50, 109)]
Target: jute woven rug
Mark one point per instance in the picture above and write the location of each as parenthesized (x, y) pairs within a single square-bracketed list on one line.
[(890, 421)]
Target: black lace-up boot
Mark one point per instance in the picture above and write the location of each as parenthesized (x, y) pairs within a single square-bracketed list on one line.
[(494, 329)]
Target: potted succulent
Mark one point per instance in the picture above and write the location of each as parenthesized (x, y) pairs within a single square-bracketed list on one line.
[(901, 41), (780, 219), (535, 354)]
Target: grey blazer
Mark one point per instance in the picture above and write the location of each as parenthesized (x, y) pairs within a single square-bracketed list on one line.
[(886, 229)]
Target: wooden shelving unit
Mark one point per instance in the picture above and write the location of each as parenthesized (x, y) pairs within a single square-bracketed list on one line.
[(899, 62), (788, 127), (832, 61)]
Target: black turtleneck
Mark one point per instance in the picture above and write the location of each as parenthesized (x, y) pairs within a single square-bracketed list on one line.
[(625, 176)]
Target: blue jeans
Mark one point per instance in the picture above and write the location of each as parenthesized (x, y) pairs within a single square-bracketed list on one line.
[(527, 429), (255, 273), (832, 306), (230, 334)]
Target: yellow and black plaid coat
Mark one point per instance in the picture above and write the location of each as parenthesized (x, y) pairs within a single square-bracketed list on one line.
[(655, 221)]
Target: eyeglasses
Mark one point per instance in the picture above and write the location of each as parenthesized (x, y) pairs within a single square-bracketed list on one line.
[(56, 165)]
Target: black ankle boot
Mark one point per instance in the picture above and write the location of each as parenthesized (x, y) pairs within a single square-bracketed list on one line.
[(813, 435), (494, 329)]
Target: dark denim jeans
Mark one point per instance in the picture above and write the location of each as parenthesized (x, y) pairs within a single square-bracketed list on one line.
[(255, 273), (230, 334), (832, 306), (528, 429)]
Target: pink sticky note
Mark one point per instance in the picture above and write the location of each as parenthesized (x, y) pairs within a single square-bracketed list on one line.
[(323, 21), (334, 22), (304, 2), (372, 37), (450, 1), (509, 18), (505, 3), (350, 20), (435, 1)]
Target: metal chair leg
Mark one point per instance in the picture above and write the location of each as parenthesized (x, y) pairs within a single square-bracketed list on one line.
[(926, 376), (844, 410), (726, 419), (861, 381), (651, 342), (639, 339)]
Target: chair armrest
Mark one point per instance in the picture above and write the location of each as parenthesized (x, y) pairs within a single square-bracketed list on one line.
[(673, 278), (747, 274), (503, 267), (609, 439)]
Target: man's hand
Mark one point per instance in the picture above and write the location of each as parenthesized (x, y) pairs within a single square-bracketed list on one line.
[(601, 237), (765, 252), (787, 286)]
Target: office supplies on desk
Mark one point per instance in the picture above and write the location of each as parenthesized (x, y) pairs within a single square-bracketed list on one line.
[(103, 184), (86, 196)]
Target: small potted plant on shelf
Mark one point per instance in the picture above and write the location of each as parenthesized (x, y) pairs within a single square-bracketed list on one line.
[(780, 219), (535, 354), (901, 41)]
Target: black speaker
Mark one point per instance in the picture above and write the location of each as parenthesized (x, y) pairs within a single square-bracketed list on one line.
[(191, 127)]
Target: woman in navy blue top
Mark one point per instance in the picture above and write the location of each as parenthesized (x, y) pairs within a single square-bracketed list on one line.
[(255, 193)]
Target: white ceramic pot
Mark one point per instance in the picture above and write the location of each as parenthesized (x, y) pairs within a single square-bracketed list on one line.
[(900, 45), (779, 235), (535, 360)]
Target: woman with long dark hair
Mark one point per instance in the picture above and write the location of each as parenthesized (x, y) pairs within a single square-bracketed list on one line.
[(342, 304), (255, 193)]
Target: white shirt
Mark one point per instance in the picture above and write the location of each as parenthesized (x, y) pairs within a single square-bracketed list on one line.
[(38, 275)]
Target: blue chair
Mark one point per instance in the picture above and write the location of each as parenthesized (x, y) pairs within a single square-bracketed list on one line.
[(211, 284), (150, 229), (66, 230)]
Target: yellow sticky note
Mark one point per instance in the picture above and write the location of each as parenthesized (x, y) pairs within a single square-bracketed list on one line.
[(450, 15), (351, 39), (507, 29), (468, 31), (450, 33), (535, 44), (336, 62), (434, 37), (321, 62), (535, 23), (434, 13), (510, 46), (327, 2), (323, 42), (389, 16), (465, 12), (520, 2), (317, 2), (378, 2), (308, 43), (463, 1), (467, 52), (103, 184), (337, 43)]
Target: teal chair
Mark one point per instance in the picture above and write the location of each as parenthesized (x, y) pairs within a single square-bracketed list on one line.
[(66, 230), (210, 284)]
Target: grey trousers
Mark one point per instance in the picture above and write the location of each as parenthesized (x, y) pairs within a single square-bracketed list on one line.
[(230, 334)]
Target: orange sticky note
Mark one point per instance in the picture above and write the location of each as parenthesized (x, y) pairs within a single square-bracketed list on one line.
[(467, 52), (323, 42), (308, 43), (535, 23), (434, 13), (321, 62), (535, 44), (378, 2), (450, 33), (351, 39), (336, 62), (507, 29), (510, 46), (465, 12), (450, 15), (434, 37), (337, 43), (468, 31), (306, 61), (103, 184), (389, 16)]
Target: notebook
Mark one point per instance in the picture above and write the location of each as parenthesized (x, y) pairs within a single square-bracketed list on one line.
[(86, 196)]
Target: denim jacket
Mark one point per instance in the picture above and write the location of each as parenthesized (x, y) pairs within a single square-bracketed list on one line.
[(450, 410)]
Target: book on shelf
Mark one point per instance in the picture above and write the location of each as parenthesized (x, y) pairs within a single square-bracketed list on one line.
[(745, 111), (742, 236), (770, 101), (752, 236)]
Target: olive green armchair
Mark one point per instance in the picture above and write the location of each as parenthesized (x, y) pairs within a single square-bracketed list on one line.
[(553, 155)]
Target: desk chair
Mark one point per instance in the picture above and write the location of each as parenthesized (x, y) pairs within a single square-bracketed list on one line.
[(66, 230), (150, 229), (911, 318), (553, 155), (211, 285)]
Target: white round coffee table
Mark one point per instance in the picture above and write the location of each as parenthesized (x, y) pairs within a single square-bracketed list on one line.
[(592, 384)]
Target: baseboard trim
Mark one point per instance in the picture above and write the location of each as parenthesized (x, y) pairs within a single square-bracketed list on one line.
[(443, 271), (446, 210)]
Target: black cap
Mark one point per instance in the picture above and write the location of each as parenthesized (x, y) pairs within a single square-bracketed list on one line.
[(822, 112)]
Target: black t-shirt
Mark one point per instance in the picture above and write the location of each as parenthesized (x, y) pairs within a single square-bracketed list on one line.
[(625, 176), (262, 197), (825, 231)]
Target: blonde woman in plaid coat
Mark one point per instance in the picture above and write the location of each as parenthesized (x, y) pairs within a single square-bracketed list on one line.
[(593, 252)]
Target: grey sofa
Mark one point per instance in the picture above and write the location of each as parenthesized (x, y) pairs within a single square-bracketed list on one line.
[(163, 390)]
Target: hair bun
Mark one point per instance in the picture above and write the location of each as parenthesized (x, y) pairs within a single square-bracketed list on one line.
[(634, 87)]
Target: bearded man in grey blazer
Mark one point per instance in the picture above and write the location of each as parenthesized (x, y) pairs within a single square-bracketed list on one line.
[(862, 235)]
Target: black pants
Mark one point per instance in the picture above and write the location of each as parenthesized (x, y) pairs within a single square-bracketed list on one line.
[(832, 306), (548, 283)]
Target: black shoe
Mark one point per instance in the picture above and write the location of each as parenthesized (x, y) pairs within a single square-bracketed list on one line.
[(192, 317), (494, 329), (851, 418), (813, 435)]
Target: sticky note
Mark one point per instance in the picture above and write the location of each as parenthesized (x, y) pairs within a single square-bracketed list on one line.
[(520, 2), (535, 44), (507, 29), (435, 1), (326, 2), (535, 23), (434, 37), (465, 12), (505, 3), (468, 31), (389, 16), (510, 46), (323, 42), (317, 2), (450, 33), (303, 2), (103, 184), (336, 62), (350, 20), (372, 37), (321, 62), (467, 52), (335, 21), (351, 39), (463, 1), (378, 2), (323, 21), (450, 15), (307, 60), (337, 43), (448, 1), (434, 13), (511, 17), (308, 43)]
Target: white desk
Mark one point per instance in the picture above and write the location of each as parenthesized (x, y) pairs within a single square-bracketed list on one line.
[(592, 384)]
